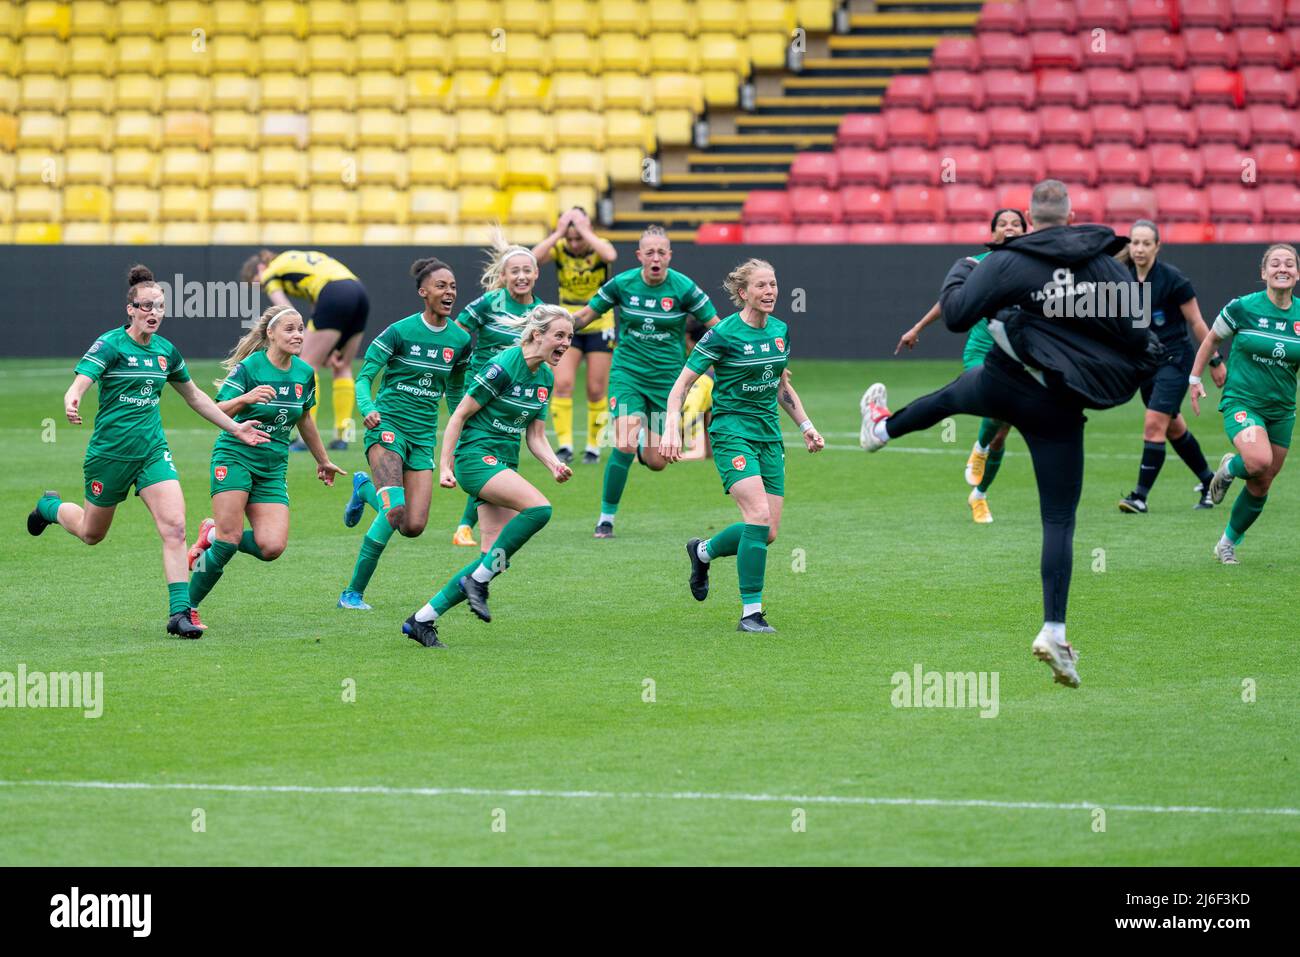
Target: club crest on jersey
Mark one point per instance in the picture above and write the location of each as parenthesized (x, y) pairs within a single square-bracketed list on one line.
[(738, 463), (95, 347), (780, 344), (387, 438), (220, 473), (162, 363), (542, 393), (489, 460), (613, 403), (1296, 327), (493, 372), (667, 304), (297, 390), (1240, 416), (96, 488), (447, 354)]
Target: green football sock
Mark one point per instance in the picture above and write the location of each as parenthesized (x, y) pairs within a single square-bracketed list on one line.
[(451, 595), (751, 563), (1237, 467), (248, 545), (615, 480), (1244, 512), (207, 570), (178, 597), (369, 494), (988, 431), (515, 536), (470, 515), (726, 542), (376, 538), (991, 466), (47, 507)]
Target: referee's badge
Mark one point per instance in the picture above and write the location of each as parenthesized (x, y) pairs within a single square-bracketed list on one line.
[(219, 472)]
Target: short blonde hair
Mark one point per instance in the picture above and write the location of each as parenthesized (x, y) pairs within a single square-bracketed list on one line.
[(738, 278), (499, 252), (256, 338), (537, 319)]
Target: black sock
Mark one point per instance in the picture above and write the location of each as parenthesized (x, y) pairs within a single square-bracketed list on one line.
[(1189, 450), (1153, 457)]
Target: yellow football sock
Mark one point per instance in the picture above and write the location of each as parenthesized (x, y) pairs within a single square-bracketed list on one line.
[(562, 420), (345, 397), (597, 416)]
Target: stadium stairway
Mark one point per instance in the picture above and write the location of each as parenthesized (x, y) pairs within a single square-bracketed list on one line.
[(791, 110)]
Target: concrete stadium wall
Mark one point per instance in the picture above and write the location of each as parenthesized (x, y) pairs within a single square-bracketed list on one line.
[(857, 300)]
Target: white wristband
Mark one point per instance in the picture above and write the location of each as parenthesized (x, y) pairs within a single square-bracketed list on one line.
[(806, 425), (1193, 380)]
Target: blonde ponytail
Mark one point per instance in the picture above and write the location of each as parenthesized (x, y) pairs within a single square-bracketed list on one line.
[(499, 252), (255, 339)]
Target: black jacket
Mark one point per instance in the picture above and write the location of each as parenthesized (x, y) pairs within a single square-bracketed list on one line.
[(1041, 287)]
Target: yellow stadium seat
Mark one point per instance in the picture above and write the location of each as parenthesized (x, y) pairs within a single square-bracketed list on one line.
[(332, 128), (527, 234), (187, 128), (330, 51), (139, 18), (579, 128), (92, 55), (87, 234), (768, 50), (529, 128), (375, 88), (185, 166), (38, 233), (480, 165), (478, 233), (478, 51), (88, 166), (94, 18), (39, 167), (432, 204), (232, 203), (524, 89), (137, 91), (331, 16), (625, 91), (382, 15), (472, 90), (8, 56), (281, 54), (672, 51), (183, 203), (81, 203), (672, 16), (234, 128), (723, 51), (284, 91), (475, 16), (186, 16), (722, 16), (42, 55), (282, 164), (89, 128), (426, 88), (281, 203), (436, 234), (481, 204), (335, 234), (133, 233), (623, 51), (624, 164), (183, 54), (232, 166), (624, 15), (333, 204), (283, 16), (135, 167), (233, 53), (135, 204), (186, 91), (530, 166), (677, 91), (235, 234), (236, 17), (575, 52), (381, 204), (8, 174), (425, 51), (429, 16), (331, 165), (527, 16), (629, 128), (331, 91), (235, 91), (479, 128), (380, 51), (280, 234), (378, 167), (137, 54), (381, 128), (721, 88), (576, 16), (9, 94), (581, 167), (385, 234), (90, 91), (673, 127), (284, 129), (185, 234), (773, 15), (532, 206), (526, 51), (815, 15), (43, 91), (570, 91), (42, 130), (432, 166)]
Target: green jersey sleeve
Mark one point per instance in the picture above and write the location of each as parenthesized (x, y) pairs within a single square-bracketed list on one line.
[(489, 383), (698, 304), (711, 347), (310, 401), (178, 371), (605, 298), (234, 385), (473, 316), (384, 346), (97, 358), (1229, 319)]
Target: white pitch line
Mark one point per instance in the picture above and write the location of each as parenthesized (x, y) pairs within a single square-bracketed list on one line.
[(848, 800)]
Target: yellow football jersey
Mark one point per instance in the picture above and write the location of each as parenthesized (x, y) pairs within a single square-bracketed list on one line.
[(579, 278), (303, 273)]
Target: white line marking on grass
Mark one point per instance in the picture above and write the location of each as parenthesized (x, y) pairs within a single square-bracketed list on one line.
[(849, 800)]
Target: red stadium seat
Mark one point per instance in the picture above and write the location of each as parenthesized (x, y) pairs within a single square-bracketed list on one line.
[(1161, 85), (1122, 163), (1051, 15), (1226, 163), (1162, 14), (1285, 233), (766, 206), (1206, 13), (1009, 88), (1001, 18), (1278, 164), (1173, 163), (717, 233), (970, 233), (1211, 48), (956, 53), (864, 168), (958, 88), (815, 169), (970, 164), (873, 233), (962, 126), (1055, 49), (910, 128), (1268, 124), (918, 204), (1003, 51), (1107, 14), (809, 204), (1067, 126), (862, 129), (1089, 205), (1179, 203), (1118, 124), (769, 234), (1071, 164), (1127, 203), (1158, 48), (1234, 203), (1009, 125), (1281, 204), (864, 205), (821, 233), (1216, 123), (1265, 48), (927, 233), (1213, 85), (1015, 164), (914, 164), (1187, 233), (969, 203), (1014, 196), (1063, 88), (1254, 233), (1293, 37), (1266, 85), (1117, 51), (910, 91), (1293, 13), (1168, 125), (1112, 85), (1269, 14)]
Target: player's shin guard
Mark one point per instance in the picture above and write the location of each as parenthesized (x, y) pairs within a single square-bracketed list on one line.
[(988, 432), (48, 508), (615, 480), (344, 393), (991, 467), (207, 570), (248, 545), (1244, 512), (1153, 459), (512, 538), (1189, 450), (751, 563), (369, 494), (376, 538), (178, 597), (727, 541), (597, 416), (469, 517), (562, 420)]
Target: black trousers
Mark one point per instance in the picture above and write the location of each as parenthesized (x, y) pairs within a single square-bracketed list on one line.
[(1052, 425)]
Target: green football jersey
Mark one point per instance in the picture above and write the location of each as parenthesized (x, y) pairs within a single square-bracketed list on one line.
[(295, 393), (420, 365), (748, 363), (1265, 353), (482, 317), (511, 397), (128, 424), (651, 324)]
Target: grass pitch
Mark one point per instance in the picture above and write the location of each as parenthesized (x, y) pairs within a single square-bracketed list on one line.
[(529, 740)]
